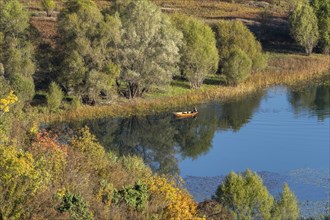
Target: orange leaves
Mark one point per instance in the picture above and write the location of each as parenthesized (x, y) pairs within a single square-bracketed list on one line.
[(50, 155), (46, 141)]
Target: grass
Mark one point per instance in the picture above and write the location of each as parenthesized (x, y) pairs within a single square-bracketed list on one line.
[(283, 69), (213, 10)]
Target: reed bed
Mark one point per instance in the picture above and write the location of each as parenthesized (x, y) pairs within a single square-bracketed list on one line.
[(282, 70)]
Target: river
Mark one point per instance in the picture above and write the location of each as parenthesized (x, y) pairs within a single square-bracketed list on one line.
[(281, 133)]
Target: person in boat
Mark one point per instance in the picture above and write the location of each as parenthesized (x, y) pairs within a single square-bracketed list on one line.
[(194, 110)]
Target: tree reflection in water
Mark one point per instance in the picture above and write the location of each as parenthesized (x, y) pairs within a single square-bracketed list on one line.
[(313, 99), (162, 140)]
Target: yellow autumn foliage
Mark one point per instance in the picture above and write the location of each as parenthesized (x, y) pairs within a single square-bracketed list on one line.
[(7, 101), (177, 204), (20, 180)]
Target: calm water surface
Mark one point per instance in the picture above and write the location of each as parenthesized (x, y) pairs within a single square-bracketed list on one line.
[(277, 137), (281, 133)]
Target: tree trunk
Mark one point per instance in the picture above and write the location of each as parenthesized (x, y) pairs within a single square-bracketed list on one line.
[(308, 50)]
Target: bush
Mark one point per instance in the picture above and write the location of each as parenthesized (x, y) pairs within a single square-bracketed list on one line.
[(135, 196), (76, 206), (174, 202), (136, 166), (213, 209), (91, 151), (236, 67), (54, 97), (23, 86), (50, 155), (234, 34), (20, 180)]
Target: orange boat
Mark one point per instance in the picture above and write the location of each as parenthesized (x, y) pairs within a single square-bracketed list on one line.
[(185, 114)]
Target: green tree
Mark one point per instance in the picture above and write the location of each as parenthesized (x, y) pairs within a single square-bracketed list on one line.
[(149, 51), (49, 6), (88, 39), (303, 26), (287, 205), (236, 67), (16, 52), (234, 34), (246, 196), (54, 97), (322, 11), (199, 55)]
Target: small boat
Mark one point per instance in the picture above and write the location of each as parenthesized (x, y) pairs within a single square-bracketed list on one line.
[(185, 114)]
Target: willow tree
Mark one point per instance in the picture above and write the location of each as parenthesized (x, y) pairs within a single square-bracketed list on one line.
[(199, 51), (304, 27), (16, 51), (87, 41), (148, 52)]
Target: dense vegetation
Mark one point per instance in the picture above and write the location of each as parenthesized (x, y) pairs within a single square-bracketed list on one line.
[(130, 48), (247, 198), (126, 49)]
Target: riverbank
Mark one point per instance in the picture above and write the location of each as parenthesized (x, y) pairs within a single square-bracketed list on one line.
[(283, 69)]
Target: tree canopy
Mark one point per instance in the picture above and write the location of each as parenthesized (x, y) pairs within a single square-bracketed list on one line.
[(237, 66), (304, 28), (246, 196), (16, 51), (87, 40), (287, 205), (234, 34), (322, 11), (149, 50), (199, 55)]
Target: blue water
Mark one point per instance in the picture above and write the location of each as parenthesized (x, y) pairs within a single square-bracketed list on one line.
[(281, 133), (275, 140)]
